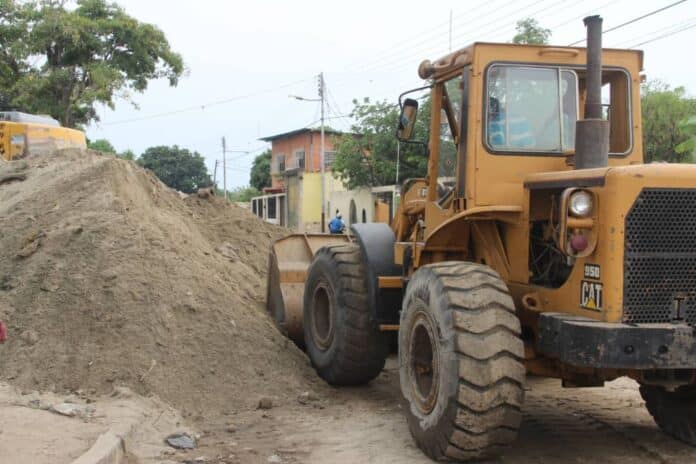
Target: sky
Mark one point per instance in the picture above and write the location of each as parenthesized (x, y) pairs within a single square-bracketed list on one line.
[(244, 59)]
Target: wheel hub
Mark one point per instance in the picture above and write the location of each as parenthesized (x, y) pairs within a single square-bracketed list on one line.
[(424, 364), (322, 317)]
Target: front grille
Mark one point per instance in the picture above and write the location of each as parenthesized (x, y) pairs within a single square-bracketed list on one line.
[(660, 257)]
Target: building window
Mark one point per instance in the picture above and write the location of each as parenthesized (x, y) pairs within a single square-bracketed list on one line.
[(300, 159), (271, 208), (329, 157), (280, 163)]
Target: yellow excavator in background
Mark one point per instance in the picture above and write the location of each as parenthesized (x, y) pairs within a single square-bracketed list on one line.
[(23, 134), (539, 243)]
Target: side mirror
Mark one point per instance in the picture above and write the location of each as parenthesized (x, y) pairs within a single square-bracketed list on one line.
[(407, 119)]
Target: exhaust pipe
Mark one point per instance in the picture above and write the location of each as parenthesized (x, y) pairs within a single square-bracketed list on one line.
[(592, 132)]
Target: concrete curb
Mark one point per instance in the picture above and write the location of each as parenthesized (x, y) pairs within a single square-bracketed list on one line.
[(110, 447)]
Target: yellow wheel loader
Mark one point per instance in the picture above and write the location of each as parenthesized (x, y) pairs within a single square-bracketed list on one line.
[(539, 243)]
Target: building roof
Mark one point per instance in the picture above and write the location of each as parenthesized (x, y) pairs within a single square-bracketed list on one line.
[(304, 130)]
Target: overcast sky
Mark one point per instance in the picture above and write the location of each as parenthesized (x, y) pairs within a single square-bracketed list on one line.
[(243, 59)]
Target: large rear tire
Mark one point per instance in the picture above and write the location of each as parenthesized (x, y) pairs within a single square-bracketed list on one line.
[(674, 412), (460, 357), (343, 342)]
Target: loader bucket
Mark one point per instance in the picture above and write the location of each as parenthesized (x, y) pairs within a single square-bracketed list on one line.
[(289, 261)]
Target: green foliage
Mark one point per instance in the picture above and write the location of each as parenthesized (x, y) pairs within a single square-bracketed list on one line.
[(101, 145), (261, 171), (688, 146), (667, 132), (368, 158), (105, 146), (127, 155), (63, 62), (529, 31), (177, 167), (242, 194)]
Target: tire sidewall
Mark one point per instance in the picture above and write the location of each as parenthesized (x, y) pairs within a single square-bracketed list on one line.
[(424, 295), (323, 273)]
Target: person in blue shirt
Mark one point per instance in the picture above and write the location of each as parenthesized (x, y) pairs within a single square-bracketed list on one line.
[(336, 225), (517, 134)]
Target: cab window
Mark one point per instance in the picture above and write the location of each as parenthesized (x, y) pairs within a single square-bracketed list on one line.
[(531, 109), (452, 98)]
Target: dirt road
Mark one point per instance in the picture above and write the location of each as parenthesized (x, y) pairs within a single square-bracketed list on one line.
[(365, 425)]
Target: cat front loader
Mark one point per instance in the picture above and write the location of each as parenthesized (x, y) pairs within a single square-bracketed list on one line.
[(538, 243)]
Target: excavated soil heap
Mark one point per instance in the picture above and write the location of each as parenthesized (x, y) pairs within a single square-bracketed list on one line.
[(109, 277)]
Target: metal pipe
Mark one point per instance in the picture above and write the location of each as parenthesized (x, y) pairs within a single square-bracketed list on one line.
[(593, 81), (592, 132)]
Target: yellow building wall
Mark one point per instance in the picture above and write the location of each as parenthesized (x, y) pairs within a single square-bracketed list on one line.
[(310, 200)]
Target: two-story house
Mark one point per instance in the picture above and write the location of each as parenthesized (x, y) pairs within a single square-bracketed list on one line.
[(294, 197)]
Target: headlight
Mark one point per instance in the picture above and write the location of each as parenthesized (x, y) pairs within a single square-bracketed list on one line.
[(580, 203)]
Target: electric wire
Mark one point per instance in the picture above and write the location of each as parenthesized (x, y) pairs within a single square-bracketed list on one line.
[(404, 44), (650, 35), (588, 12), (664, 36), (469, 35), (204, 106), (631, 21)]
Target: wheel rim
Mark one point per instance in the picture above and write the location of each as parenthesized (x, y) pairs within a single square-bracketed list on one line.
[(322, 317), (424, 366)]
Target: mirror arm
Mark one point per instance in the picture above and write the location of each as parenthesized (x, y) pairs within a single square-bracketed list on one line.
[(422, 143), (401, 106)]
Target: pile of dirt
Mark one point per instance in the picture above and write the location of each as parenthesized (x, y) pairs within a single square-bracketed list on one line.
[(109, 277)]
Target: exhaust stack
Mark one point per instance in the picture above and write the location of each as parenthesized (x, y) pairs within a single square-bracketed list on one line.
[(592, 132)]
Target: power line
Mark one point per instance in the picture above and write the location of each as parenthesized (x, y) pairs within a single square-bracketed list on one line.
[(633, 20), (433, 31), (588, 12), (651, 34), (407, 53), (468, 35), (203, 106), (664, 36)]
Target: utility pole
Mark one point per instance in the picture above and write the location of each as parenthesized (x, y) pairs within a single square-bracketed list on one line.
[(215, 174), (322, 161), (398, 157), (450, 32), (224, 167), (321, 155)]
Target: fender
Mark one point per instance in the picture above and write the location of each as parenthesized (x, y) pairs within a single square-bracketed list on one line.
[(376, 241)]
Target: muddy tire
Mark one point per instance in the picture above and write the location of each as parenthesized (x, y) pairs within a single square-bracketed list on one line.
[(674, 412), (460, 356), (343, 343)]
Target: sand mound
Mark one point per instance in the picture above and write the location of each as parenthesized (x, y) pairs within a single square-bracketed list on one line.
[(109, 277)]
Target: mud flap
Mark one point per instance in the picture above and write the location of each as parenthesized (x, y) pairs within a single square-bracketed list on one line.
[(376, 242)]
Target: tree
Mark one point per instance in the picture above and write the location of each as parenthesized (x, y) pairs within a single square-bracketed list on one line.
[(178, 168), (127, 155), (12, 48), (261, 171), (242, 194), (367, 157), (101, 145), (530, 32), (688, 147), (666, 113), (63, 62), (105, 146)]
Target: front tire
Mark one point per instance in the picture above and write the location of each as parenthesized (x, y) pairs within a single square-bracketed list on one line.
[(343, 342), (674, 412), (460, 357)]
